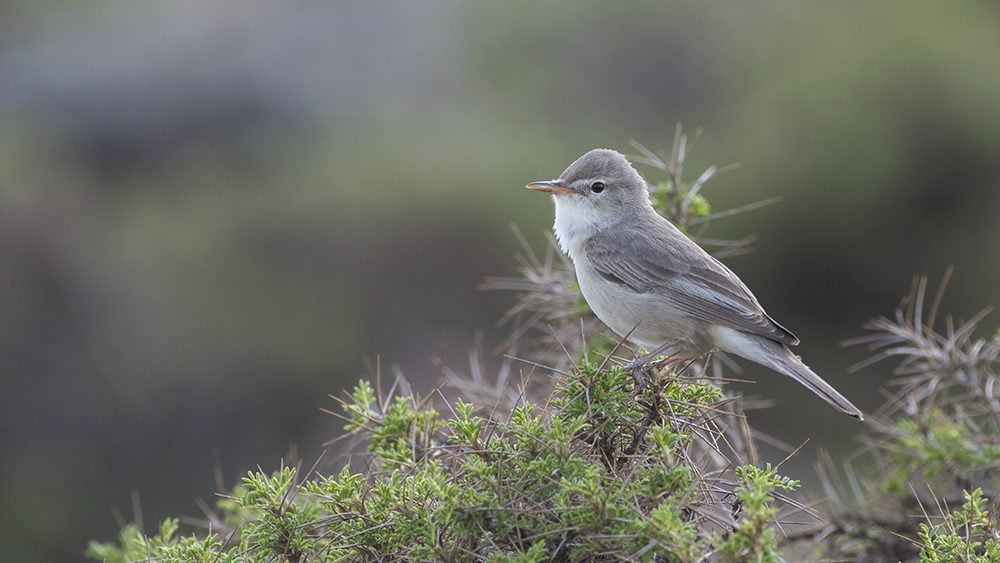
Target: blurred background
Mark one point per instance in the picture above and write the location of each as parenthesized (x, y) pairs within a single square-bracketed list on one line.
[(212, 213)]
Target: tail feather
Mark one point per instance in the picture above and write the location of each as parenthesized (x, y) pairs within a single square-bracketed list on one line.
[(778, 357), (792, 366)]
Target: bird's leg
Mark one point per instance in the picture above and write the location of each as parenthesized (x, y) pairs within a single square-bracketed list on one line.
[(641, 364)]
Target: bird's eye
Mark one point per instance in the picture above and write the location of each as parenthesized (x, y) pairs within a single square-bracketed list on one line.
[(597, 187)]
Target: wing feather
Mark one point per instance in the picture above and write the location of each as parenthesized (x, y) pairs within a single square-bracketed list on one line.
[(665, 262)]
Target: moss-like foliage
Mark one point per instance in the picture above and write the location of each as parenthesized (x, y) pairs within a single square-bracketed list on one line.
[(605, 471)]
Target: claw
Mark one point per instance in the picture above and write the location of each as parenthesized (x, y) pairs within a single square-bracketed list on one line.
[(637, 366), (641, 364)]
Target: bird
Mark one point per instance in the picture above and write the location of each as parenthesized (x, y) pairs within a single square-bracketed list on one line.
[(650, 283)]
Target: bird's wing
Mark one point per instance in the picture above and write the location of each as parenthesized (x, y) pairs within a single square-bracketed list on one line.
[(665, 262)]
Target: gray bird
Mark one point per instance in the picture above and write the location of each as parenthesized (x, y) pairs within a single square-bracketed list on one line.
[(645, 279)]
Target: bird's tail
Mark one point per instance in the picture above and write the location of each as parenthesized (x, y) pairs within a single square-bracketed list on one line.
[(778, 357), (790, 365)]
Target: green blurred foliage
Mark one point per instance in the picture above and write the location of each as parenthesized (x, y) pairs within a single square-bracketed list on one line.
[(209, 215)]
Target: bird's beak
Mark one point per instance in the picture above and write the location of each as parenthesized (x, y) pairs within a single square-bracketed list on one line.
[(554, 187)]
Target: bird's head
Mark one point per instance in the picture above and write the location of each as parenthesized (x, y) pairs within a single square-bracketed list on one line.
[(596, 192)]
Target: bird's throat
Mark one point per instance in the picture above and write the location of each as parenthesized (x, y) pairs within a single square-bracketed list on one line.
[(576, 221)]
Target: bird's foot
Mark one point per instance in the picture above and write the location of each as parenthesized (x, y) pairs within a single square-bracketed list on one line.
[(644, 363), (638, 366)]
